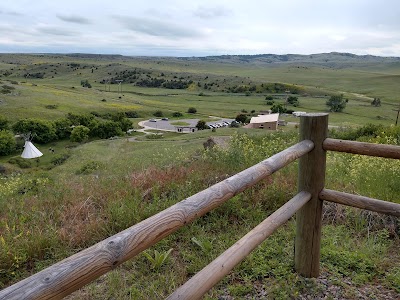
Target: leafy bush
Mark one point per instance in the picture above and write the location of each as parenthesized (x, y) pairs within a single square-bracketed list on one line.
[(241, 118), (107, 129), (293, 101), (201, 125), (7, 142), (63, 128), (59, 159), (177, 114), (89, 167), (192, 110), (20, 162), (79, 134), (42, 130), (158, 114), (3, 123), (131, 114)]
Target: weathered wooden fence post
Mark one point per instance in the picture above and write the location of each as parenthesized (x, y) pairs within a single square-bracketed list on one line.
[(313, 127)]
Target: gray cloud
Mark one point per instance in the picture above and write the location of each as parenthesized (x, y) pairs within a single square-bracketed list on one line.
[(74, 19), (156, 27), (56, 31), (10, 13), (212, 12)]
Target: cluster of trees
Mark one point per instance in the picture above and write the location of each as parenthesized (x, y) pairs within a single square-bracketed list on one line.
[(264, 87), (76, 127), (136, 76)]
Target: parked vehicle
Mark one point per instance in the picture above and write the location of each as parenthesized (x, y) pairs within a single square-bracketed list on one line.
[(152, 120)]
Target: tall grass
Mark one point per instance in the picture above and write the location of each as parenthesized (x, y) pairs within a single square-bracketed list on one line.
[(69, 212)]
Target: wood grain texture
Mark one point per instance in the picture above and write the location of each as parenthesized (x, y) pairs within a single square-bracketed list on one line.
[(311, 178), (70, 274), (204, 280), (379, 150), (384, 207)]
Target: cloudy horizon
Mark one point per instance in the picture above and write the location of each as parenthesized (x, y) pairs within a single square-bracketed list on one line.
[(182, 28)]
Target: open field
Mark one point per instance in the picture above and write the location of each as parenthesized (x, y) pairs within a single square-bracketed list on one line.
[(360, 82)]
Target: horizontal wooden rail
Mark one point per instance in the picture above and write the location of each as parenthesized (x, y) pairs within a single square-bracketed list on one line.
[(385, 207), (62, 278), (387, 151), (204, 280)]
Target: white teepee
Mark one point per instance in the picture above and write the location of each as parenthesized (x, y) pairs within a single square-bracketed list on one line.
[(30, 151)]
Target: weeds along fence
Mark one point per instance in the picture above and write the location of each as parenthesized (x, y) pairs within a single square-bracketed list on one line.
[(70, 274)]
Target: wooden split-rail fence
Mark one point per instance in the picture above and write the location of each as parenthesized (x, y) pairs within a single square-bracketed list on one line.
[(70, 274)]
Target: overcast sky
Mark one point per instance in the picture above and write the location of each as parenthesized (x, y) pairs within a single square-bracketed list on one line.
[(199, 28)]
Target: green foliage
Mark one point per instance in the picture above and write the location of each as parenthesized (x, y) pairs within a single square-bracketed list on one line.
[(201, 125), (205, 245), (7, 142), (79, 134), (90, 167), (159, 258), (60, 158), (6, 89), (106, 129), (336, 103), (23, 163), (85, 83), (43, 131), (292, 100), (241, 118), (158, 114), (4, 123), (269, 98), (80, 119), (192, 110), (270, 102), (278, 108), (177, 114), (376, 102), (63, 128), (132, 114)]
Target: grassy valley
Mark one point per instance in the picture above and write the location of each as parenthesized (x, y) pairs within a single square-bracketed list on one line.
[(80, 192)]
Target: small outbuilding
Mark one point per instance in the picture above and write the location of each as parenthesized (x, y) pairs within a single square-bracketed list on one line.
[(264, 122), (186, 129)]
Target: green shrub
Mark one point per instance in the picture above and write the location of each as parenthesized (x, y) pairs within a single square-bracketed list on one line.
[(192, 110), (79, 134), (131, 114), (177, 114), (7, 142), (3, 123), (42, 130), (158, 114), (23, 163), (59, 159), (89, 167)]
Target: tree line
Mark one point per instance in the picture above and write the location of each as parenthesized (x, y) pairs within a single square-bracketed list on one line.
[(76, 127)]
